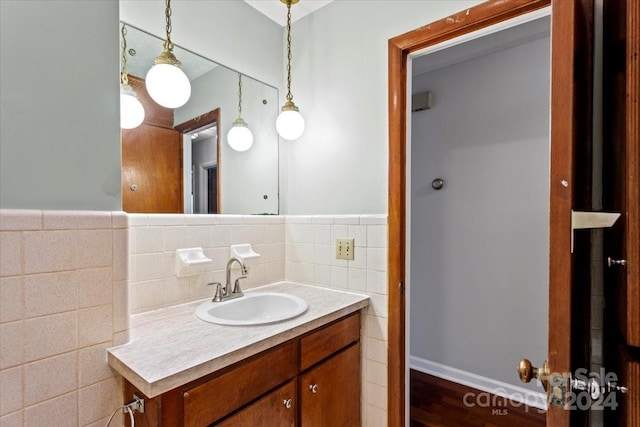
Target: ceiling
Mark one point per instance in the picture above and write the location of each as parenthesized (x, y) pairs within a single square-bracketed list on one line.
[(277, 11)]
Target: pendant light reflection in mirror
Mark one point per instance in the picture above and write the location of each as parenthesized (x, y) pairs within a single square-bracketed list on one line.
[(290, 123), (166, 83), (131, 110), (239, 136)]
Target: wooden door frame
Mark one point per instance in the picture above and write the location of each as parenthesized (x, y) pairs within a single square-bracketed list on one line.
[(622, 153), (563, 133), (201, 121), (621, 160)]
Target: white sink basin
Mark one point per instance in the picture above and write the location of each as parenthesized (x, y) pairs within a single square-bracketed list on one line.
[(254, 308)]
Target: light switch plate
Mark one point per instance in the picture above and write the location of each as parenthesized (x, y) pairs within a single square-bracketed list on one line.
[(344, 249)]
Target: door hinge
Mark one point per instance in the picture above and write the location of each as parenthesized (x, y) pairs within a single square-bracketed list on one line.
[(401, 288)]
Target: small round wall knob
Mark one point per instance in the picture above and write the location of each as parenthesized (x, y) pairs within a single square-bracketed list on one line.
[(133, 187), (313, 388), (437, 184), (288, 403)]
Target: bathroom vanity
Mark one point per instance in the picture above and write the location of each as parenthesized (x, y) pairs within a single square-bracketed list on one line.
[(301, 372)]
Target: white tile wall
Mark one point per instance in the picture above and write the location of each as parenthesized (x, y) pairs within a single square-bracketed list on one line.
[(311, 258), (69, 280), (153, 240), (62, 303)]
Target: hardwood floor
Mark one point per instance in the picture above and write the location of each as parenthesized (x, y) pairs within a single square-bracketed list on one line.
[(439, 403)]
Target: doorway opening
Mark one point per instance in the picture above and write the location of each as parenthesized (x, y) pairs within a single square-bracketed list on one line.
[(477, 223), (201, 160), (201, 163), (571, 104)]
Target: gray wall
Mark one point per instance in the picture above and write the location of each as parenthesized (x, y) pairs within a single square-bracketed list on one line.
[(229, 32), (59, 113), (479, 246), (339, 82), (59, 117), (339, 165)]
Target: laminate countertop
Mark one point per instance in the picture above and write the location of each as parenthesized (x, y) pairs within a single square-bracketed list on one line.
[(171, 347)]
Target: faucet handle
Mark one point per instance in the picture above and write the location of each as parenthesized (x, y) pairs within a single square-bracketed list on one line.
[(236, 286), (217, 297)]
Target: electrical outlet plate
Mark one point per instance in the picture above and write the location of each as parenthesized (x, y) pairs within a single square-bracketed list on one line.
[(136, 405), (344, 249)]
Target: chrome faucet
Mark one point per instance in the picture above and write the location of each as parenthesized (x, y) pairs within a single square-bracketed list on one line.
[(236, 292)]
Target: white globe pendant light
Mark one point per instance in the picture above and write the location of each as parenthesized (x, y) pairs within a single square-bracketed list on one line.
[(290, 123), (131, 110), (239, 136), (166, 83)]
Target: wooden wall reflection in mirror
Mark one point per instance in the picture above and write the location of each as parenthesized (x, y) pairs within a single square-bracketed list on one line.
[(179, 161)]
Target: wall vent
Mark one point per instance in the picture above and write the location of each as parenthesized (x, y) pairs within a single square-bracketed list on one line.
[(421, 101)]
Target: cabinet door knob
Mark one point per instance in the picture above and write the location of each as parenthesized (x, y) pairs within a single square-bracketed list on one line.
[(313, 388), (288, 403)]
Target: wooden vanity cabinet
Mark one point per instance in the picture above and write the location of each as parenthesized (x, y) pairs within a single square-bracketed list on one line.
[(311, 380)]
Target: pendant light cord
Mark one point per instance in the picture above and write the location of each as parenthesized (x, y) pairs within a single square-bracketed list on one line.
[(289, 96), (168, 44), (239, 95), (123, 73)]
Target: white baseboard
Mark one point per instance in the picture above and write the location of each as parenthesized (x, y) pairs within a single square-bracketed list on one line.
[(489, 385)]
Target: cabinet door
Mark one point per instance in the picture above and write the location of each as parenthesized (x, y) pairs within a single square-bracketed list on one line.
[(277, 409), (330, 392)]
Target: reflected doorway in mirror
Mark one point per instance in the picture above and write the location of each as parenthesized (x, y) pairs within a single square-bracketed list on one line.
[(201, 163)]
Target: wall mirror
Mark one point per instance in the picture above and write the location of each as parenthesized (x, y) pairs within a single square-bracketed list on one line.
[(179, 160)]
